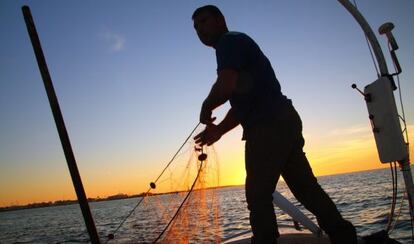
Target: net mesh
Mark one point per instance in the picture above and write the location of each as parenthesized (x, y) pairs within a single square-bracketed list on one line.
[(184, 206)]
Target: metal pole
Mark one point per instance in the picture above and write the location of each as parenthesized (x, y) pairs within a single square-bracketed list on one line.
[(60, 124), (409, 186), (404, 164), (370, 35)]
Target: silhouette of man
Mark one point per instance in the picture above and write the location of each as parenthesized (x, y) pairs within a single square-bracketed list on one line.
[(272, 130)]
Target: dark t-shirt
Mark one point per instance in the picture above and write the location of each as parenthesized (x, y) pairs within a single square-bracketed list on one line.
[(258, 96)]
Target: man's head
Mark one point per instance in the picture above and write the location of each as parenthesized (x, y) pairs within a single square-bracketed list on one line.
[(209, 24)]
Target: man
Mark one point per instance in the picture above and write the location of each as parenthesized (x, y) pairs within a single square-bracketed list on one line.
[(271, 127)]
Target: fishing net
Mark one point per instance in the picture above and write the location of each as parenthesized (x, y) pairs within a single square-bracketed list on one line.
[(181, 205)]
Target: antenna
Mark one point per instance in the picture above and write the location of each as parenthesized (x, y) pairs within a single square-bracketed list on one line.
[(385, 29)]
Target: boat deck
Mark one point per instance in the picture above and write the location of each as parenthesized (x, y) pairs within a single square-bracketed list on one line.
[(294, 238), (288, 235)]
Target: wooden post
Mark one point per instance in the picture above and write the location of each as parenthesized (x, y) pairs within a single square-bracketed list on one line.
[(60, 124)]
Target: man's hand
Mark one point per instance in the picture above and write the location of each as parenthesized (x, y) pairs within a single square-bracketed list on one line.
[(209, 135)]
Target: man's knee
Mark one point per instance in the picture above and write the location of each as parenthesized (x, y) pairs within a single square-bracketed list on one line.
[(260, 206), (258, 199)]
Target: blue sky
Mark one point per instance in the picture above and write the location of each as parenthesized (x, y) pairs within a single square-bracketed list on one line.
[(131, 75)]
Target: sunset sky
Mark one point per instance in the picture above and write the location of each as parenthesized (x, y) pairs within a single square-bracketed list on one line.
[(131, 76)]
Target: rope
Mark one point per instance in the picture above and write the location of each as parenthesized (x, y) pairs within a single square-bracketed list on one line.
[(398, 214), (407, 142), (405, 131), (393, 168), (370, 49), (111, 236), (411, 218), (401, 101), (175, 155), (181, 205)]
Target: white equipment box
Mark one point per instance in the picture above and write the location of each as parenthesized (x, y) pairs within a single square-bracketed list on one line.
[(385, 121)]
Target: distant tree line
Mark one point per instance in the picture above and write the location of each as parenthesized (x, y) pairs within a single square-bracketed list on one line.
[(67, 202)]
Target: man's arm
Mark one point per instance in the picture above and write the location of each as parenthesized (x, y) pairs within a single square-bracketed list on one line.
[(213, 133), (228, 123), (220, 92)]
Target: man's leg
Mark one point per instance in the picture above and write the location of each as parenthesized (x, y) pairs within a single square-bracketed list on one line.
[(267, 150), (259, 189), (303, 184)]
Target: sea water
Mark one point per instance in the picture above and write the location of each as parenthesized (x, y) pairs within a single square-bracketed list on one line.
[(364, 198)]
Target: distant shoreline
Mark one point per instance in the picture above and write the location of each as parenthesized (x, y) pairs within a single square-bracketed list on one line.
[(63, 202), (109, 198), (126, 196)]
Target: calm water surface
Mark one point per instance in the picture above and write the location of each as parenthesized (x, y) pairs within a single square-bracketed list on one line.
[(363, 198)]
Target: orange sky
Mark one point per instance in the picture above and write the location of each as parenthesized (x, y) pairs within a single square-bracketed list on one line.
[(328, 155)]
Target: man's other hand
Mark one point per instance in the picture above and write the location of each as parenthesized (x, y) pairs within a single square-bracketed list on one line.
[(209, 135)]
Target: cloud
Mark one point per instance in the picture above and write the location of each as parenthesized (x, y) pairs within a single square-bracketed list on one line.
[(353, 130), (351, 140), (116, 41)]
